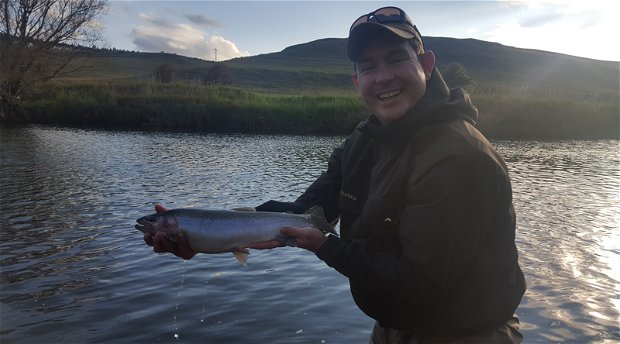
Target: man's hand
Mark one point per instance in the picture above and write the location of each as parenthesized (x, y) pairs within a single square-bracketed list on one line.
[(308, 238), (161, 242)]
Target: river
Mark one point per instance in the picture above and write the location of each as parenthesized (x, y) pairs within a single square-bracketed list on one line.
[(74, 270)]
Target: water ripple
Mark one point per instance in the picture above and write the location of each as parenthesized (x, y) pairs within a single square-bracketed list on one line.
[(73, 267)]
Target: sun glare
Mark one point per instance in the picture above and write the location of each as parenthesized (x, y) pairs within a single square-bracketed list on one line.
[(580, 28)]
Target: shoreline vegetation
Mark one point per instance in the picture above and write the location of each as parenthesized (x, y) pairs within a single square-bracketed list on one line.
[(152, 105), (307, 89), (159, 106)]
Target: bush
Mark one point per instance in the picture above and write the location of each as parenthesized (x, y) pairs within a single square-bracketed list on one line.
[(164, 73), (218, 75)]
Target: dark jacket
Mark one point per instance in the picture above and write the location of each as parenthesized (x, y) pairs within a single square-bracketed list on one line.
[(427, 223)]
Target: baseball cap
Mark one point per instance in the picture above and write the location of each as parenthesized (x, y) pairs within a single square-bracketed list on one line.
[(392, 19)]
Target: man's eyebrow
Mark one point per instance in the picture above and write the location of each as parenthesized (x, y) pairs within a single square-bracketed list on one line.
[(397, 51), (364, 59), (390, 53)]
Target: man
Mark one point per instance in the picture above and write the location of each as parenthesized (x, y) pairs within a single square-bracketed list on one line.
[(425, 203)]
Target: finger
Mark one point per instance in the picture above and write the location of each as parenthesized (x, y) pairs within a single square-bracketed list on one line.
[(158, 246), (185, 250), (148, 239), (294, 232), (159, 208), (161, 243), (170, 246), (308, 237)]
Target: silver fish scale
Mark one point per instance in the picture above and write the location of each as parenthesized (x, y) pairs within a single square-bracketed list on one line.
[(215, 231)]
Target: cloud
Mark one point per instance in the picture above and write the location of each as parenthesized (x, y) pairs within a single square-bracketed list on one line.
[(537, 13), (160, 22), (162, 35), (540, 20), (200, 19), (569, 27)]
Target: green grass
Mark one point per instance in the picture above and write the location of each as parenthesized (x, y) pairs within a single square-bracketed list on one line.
[(533, 117), (191, 107), (156, 106)]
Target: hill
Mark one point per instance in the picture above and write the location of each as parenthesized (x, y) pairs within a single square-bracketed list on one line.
[(493, 66), (321, 67)]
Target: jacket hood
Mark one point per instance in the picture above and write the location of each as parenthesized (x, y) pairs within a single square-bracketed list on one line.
[(439, 103)]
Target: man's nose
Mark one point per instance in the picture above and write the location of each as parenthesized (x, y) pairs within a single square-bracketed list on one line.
[(384, 74)]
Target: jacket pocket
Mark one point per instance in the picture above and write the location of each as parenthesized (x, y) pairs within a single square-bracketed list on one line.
[(383, 215)]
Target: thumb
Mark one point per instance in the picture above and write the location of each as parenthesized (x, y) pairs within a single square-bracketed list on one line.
[(290, 231)]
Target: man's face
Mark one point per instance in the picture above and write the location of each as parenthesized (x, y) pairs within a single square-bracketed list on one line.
[(390, 78)]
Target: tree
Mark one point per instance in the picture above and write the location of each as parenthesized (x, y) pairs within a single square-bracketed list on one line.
[(218, 75), (39, 40), (455, 75), (164, 73)]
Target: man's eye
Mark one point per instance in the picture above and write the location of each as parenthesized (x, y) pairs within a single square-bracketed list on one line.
[(397, 59), (366, 67)]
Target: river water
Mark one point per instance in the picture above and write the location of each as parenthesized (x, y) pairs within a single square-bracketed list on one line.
[(75, 271)]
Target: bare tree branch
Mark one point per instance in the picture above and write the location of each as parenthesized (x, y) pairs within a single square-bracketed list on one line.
[(38, 39)]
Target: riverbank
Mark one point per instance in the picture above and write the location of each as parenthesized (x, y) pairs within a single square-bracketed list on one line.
[(151, 105)]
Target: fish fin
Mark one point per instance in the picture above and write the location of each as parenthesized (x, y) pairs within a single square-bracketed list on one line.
[(242, 256), (318, 219)]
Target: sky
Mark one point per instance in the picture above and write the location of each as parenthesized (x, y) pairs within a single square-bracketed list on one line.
[(221, 30)]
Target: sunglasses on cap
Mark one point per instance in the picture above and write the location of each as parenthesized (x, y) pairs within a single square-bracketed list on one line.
[(383, 15)]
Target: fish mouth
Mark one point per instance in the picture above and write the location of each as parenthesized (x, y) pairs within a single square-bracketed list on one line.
[(144, 225)]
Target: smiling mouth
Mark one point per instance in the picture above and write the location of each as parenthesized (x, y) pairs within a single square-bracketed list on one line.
[(389, 95)]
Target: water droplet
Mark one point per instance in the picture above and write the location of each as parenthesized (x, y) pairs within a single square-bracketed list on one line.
[(299, 331), (176, 336)]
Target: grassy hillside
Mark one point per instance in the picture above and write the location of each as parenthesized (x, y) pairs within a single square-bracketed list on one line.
[(494, 67), (520, 92), (321, 67)]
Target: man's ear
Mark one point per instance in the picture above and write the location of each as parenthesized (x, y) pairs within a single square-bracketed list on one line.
[(427, 60), (355, 81)]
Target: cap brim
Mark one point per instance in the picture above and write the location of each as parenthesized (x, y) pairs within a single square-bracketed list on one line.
[(357, 38)]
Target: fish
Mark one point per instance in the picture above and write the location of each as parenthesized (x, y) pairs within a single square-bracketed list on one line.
[(223, 230)]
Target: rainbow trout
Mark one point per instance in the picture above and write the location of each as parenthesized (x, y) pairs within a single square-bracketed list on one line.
[(218, 231)]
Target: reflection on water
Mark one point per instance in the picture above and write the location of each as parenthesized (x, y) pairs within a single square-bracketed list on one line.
[(73, 270), (567, 196)]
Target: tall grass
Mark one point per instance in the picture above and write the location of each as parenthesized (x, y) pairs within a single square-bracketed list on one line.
[(150, 105), (192, 107), (518, 116)]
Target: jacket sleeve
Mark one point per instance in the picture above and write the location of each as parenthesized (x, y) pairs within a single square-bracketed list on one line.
[(324, 192), (447, 212)]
